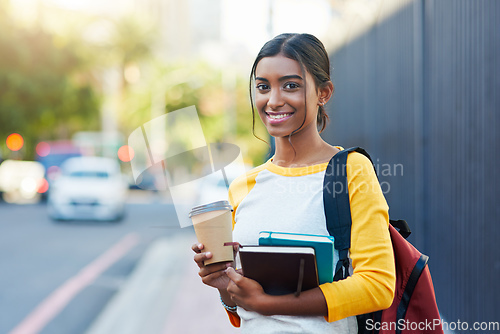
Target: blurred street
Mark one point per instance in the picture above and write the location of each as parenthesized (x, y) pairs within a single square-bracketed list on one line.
[(99, 99), (58, 277)]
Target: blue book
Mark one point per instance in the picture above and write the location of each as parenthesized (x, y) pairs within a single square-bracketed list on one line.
[(326, 258)]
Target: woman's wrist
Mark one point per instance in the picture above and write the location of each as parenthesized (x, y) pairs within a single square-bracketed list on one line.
[(227, 307), (310, 302), (226, 299), (265, 305)]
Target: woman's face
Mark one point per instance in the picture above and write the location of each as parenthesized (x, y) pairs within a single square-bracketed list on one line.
[(281, 95)]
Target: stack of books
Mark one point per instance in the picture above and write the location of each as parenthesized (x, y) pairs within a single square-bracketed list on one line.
[(286, 263)]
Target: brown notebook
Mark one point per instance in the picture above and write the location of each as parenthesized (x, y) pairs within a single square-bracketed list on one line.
[(280, 270)]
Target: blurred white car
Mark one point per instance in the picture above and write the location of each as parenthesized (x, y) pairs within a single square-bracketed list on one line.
[(20, 181), (89, 188)]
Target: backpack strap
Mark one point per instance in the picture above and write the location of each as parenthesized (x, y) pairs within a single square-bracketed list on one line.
[(338, 208), (410, 287), (402, 227)]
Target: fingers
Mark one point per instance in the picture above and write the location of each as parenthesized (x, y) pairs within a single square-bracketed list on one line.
[(232, 289), (200, 258), (235, 288), (233, 275), (211, 277), (197, 248), (213, 268), (236, 248), (245, 292)]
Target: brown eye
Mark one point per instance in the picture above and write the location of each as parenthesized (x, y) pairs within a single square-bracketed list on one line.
[(291, 85), (262, 87)]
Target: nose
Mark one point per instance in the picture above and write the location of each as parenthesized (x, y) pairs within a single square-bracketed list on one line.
[(275, 99)]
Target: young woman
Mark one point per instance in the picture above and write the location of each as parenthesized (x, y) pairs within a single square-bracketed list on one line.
[(291, 81)]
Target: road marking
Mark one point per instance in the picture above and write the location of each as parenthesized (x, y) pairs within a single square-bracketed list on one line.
[(57, 300)]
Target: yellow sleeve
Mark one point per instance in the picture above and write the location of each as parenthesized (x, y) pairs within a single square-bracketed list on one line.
[(240, 188), (372, 284)]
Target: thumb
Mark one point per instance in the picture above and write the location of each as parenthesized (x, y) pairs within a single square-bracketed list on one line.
[(233, 275)]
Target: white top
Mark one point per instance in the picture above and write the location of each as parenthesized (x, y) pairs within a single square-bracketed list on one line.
[(284, 202)]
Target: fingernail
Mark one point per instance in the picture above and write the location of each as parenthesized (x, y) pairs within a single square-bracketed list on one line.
[(208, 254), (200, 246)]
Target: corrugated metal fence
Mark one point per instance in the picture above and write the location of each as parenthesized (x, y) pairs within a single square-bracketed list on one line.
[(421, 92)]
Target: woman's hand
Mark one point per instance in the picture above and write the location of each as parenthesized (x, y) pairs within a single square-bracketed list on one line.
[(249, 295), (213, 275), (246, 292)]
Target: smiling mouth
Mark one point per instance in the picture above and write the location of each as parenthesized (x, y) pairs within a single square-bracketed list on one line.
[(278, 116)]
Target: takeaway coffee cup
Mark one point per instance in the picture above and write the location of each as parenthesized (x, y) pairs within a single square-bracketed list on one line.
[(213, 227)]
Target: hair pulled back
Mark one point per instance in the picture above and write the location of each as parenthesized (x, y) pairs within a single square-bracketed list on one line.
[(309, 52)]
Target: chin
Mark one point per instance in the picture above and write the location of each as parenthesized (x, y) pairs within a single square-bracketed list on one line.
[(278, 133)]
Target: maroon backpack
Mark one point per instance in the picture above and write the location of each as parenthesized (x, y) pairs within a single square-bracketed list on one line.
[(414, 308)]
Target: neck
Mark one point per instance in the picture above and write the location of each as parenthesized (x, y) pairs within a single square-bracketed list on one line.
[(305, 149)]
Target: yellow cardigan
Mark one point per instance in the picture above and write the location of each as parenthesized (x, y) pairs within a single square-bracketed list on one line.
[(372, 284)]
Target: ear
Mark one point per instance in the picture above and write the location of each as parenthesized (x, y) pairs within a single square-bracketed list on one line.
[(325, 92)]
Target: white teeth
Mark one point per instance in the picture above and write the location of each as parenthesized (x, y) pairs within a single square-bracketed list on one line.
[(278, 116)]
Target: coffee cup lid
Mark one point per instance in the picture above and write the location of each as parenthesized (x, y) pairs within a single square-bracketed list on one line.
[(219, 205)]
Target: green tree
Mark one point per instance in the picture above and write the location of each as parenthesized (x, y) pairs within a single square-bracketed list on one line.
[(45, 90), (179, 85)]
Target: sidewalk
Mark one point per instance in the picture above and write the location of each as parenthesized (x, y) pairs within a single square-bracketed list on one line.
[(164, 295)]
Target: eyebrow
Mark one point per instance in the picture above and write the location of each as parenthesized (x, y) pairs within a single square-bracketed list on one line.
[(283, 78)]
